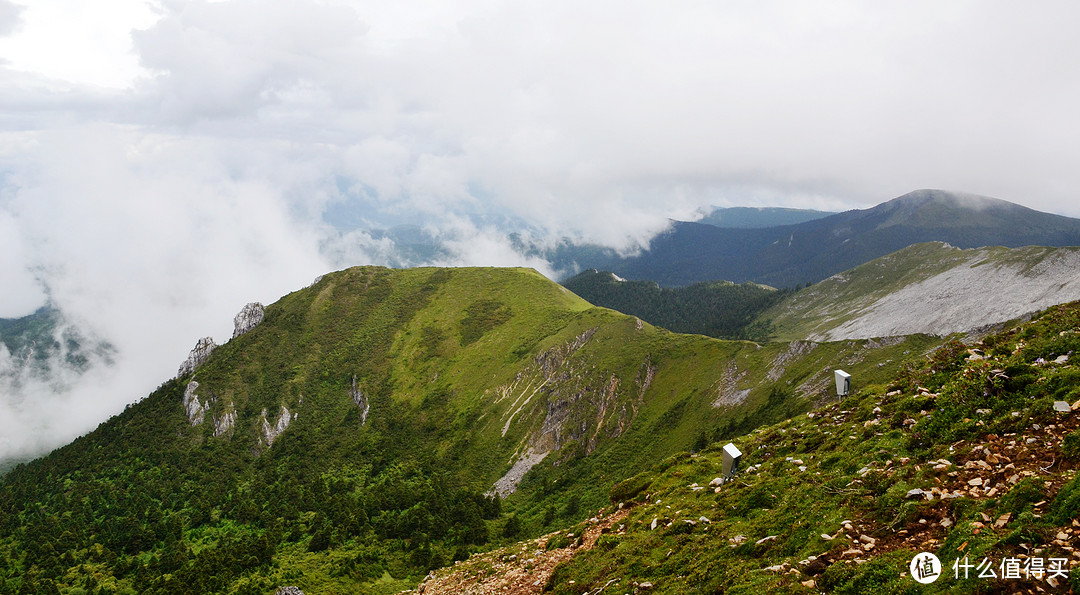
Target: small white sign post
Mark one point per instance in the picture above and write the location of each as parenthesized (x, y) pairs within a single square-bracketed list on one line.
[(732, 456), (843, 383)]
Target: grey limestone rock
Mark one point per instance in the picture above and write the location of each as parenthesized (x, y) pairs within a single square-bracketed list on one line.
[(248, 318), (271, 432), (224, 423), (198, 355), (288, 591), (196, 409), (361, 401)]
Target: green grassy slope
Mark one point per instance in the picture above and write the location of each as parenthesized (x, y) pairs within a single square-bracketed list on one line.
[(932, 277), (826, 501), (408, 394)]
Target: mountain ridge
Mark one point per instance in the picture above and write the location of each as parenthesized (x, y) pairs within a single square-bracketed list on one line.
[(930, 288), (794, 255), (356, 437)]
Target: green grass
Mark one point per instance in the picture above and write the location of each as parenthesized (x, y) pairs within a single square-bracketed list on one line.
[(853, 472)]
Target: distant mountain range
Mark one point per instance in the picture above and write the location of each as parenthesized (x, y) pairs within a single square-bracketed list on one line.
[(793, 255)]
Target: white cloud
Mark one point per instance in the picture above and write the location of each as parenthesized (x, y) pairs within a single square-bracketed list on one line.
[(22, 292), (10, 17), (81, 42)]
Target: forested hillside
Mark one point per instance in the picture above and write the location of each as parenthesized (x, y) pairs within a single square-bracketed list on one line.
[(718, 309)]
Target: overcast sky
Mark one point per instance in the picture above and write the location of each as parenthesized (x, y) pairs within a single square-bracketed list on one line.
[(163, 163)]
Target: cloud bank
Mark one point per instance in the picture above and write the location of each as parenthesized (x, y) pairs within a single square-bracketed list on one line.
[(207, 154)]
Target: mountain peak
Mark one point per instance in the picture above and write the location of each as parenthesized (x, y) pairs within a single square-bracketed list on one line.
[(966, 200), (943, 209)]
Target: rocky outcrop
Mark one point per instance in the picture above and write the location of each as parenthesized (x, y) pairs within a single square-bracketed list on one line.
[(360, 399), (224, 423), (271, 432), (288, 591), (199, 354), (195, 409), (248, 318)]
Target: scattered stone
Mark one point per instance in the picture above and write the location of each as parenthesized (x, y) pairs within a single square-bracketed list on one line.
[(827, 537), (289, 591), (915, 493), (764, 539), (1062, 407), (1003, 520), (976, 482), (810, 583), (716, 481), (655, 520), (867, 539), (946, 522)]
